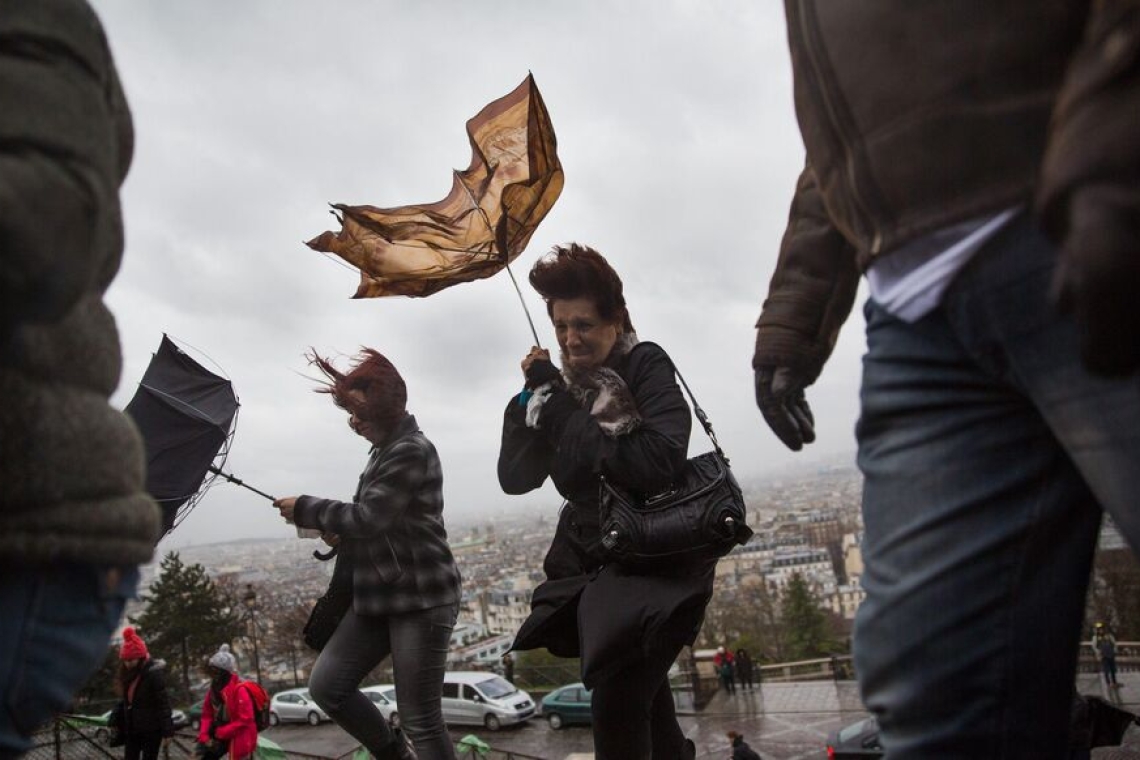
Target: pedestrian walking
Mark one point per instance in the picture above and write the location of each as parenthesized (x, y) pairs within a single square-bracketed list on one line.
[(509, 667), (228, 727), (724, 664), (614, 409), (394, 561), (978, 162), (740, 748), (75, 518), (744, 668), (1104, 644), (142, 719)]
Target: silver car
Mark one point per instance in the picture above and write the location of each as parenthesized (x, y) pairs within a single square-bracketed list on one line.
[(295, 705), (384, 697)]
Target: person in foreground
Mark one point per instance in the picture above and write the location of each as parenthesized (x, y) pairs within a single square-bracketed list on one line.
[(75, 520), (405, 585), (229, 726), (142, 719), (614, 410), (979, 162)]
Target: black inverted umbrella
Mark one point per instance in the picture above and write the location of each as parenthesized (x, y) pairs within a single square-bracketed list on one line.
[(187, 416)]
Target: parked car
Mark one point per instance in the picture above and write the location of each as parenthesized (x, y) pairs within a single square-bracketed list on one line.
[(855, 741), (194, 714), (384, 697), (295, 705), (566, 705), (484, 699)]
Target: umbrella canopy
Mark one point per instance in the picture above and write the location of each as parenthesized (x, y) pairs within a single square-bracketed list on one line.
[(186, 415), (483, 224)]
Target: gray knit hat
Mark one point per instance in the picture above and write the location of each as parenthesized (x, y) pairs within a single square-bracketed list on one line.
[(223, 660)]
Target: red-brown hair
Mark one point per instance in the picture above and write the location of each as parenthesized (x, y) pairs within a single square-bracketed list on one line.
[(385, 395), (578, 271)]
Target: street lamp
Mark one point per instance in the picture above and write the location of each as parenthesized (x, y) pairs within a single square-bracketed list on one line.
[(249, 599)]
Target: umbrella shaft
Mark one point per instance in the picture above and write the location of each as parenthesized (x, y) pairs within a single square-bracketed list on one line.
[(238, 481)]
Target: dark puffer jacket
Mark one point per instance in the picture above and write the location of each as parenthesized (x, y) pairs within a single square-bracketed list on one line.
[(917, 116), (71, 466), (147, 712)]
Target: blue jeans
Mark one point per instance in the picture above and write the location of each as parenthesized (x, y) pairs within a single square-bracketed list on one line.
[(418, 642), (988, 455), (55, 630)]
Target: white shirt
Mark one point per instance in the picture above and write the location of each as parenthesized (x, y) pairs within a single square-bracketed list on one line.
[(910, 282)]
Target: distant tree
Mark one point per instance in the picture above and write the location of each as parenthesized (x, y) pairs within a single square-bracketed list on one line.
[(283, 640), (98, 694), (743, 615), (1114, 595), (806, 627), (539, 669), (186, 617)]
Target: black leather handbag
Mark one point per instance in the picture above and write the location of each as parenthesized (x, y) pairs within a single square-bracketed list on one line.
[(331, 608), (699, 518)]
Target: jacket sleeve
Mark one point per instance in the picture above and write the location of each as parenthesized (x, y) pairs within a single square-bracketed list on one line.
[(383, 499), (812, 290), (524, 453), (162, 704), (240, 713), (1092, 138), (206, 721), (646, 460), (62, 156)]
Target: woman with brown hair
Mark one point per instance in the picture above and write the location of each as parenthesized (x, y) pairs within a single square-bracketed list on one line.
[(613, 410), (391, 542)]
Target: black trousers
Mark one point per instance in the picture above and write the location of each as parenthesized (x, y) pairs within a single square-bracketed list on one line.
[(634, 717), (142, 746)]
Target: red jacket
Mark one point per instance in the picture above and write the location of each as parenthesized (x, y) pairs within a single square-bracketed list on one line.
[(239, 729)]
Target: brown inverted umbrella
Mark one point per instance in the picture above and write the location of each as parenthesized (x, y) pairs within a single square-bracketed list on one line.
[(482, 225)]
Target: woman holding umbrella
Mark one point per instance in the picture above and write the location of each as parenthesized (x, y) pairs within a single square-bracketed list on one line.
[(405, 586), (614, 410)]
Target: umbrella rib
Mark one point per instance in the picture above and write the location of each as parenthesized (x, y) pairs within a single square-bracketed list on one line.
[(177, 400), (475, 204)]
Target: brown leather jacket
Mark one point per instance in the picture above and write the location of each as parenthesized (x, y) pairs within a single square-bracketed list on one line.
[(917, 116)]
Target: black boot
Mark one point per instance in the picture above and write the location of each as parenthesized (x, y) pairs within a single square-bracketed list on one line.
[(689, 750)]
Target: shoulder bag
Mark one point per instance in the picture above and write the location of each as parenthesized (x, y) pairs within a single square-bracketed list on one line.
[(701, 517), (331, 608)]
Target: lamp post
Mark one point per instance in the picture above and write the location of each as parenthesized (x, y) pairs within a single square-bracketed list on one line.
[(249, 598)]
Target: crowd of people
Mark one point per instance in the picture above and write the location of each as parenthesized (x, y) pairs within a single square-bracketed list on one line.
[(977, 164)]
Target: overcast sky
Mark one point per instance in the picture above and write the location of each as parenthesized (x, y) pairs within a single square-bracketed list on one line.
[(680, 149)]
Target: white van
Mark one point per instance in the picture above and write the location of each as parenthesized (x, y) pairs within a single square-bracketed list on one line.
[(483, 699)]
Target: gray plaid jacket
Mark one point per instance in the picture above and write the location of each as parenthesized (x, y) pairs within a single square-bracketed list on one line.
[(392, 532)]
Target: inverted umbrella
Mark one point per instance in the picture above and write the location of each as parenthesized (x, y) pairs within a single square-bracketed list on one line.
[(187, 416), (482, 225)]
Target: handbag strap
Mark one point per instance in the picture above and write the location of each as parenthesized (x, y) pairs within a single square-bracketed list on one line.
[(697, 410)]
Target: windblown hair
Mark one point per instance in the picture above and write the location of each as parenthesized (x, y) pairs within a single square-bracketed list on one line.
[(578, 271), (385, 395)]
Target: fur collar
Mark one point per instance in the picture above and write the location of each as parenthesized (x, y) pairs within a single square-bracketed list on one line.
[(603, 391)]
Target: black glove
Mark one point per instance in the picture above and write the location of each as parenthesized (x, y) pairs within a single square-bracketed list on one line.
[(1098, 281), (780, 396), (541, 372)]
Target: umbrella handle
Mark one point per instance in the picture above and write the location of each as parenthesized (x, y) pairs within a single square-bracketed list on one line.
[(239, 482)]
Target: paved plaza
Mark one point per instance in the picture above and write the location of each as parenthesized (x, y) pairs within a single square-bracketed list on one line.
[(782, 721)]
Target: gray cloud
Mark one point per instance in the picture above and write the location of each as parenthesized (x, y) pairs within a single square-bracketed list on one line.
[(680, 148)]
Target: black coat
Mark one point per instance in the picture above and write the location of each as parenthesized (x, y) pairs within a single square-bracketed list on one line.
[(148, 710), (602, 613)]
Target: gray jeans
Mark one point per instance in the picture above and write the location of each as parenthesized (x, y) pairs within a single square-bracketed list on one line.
[(418, 643)]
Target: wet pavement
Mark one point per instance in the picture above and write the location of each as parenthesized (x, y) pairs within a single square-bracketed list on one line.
[(781, 721)]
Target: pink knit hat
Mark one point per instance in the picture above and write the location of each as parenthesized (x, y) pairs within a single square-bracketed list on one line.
[(133, 647)]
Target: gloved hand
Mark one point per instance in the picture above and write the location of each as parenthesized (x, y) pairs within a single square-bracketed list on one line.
[(540, 372), (1097, 281), (780, 396)]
